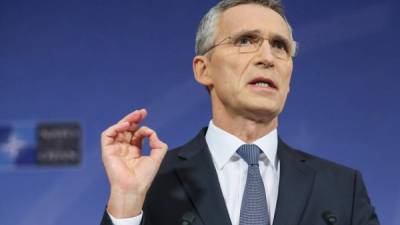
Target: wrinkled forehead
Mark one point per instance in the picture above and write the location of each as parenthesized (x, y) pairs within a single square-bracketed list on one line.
[(251, 17)]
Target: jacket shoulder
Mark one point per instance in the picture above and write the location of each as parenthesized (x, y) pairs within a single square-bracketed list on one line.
[(319, 164), (179, 154)]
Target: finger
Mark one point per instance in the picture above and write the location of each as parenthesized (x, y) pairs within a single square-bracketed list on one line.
[(128, 151), (139, 135), (134, 118), (158, 148), (124, 136), (128, 123), (127, 136), (108, 136)]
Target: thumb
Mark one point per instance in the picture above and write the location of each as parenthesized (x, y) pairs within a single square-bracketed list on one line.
[(158, 148)]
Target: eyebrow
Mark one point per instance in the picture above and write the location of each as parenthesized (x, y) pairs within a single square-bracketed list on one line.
[(274, 36)]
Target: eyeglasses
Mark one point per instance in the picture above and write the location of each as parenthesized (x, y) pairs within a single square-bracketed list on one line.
[(251, 42)]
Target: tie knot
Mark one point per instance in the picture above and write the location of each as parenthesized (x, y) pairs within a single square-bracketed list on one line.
[(250, 153)]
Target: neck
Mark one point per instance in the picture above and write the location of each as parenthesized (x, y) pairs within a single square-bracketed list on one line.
[(245, 128)]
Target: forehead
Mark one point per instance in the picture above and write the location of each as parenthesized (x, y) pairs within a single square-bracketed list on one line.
[(252, 17)]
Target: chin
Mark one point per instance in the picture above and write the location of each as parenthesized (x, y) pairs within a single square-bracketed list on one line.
[(263, 113)]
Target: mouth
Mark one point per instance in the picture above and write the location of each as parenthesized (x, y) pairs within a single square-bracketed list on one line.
[(262, 82)]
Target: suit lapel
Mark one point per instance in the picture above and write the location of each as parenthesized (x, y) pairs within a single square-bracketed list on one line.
[(295, 186), (199, 179)]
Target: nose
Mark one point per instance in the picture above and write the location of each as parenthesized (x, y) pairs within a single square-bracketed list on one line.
[(264, 56)]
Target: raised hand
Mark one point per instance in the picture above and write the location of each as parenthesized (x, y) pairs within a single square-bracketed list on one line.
[(129, 171)]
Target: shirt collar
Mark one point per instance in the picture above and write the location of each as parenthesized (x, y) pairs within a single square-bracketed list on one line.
[(223, 145)]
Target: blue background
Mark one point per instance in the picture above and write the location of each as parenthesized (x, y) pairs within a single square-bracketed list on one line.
[(94, 61)]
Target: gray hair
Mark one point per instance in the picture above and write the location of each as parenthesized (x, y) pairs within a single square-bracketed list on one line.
[(206, 32)]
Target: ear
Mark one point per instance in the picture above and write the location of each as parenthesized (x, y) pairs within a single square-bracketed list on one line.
[(201, 70)]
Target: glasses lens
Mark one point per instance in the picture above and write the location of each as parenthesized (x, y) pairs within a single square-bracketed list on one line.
[(277, 52), (280, 53), (252, 46)]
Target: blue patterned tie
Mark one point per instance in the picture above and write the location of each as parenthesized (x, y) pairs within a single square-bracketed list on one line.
[(254, 210)]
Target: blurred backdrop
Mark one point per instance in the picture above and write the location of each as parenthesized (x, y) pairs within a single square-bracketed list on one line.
[(91, 62)]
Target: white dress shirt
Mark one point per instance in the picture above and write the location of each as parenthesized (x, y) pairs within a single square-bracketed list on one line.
[(232, 171)]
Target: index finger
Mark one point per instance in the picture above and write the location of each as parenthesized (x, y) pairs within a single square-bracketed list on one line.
[(134, 118)]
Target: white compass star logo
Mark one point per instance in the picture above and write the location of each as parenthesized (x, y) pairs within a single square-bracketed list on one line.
[(12, 146)]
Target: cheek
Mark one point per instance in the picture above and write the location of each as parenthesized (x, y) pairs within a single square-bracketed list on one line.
[(287, 75), (238, 68), (230, 70), (230, 74)]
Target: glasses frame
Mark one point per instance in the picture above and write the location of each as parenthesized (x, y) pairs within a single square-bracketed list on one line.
[(259, 44)]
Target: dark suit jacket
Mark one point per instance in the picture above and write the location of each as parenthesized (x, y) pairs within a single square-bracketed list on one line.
[(309, 187)]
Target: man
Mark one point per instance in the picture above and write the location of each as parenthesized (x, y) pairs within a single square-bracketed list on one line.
[(244, 57)]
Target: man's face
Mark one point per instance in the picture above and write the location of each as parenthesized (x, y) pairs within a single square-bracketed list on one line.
[(252, 84)]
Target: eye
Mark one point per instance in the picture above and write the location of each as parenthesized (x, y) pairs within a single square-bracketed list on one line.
[(245, 40), (279, 44)]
